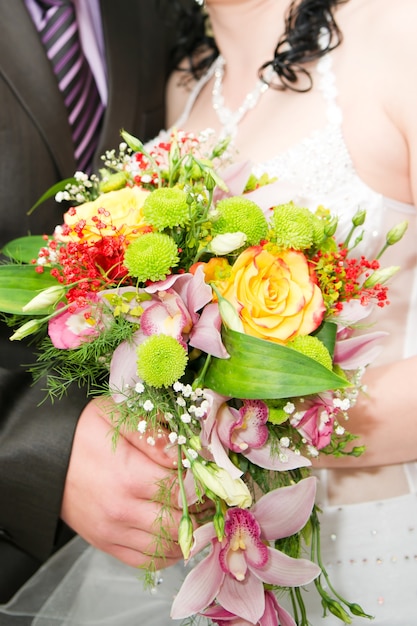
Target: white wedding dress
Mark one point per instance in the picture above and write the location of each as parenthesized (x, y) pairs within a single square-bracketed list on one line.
[(369, 547)]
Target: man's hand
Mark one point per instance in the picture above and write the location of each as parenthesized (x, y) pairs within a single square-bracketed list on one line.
[(110, 495)]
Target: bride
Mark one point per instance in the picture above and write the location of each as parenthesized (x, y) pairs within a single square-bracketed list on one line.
[(334, 119)]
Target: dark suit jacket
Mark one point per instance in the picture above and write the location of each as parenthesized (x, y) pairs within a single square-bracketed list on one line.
[(35, 144)]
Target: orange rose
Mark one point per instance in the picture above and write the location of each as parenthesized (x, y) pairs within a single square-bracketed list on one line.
[(115, 212), (274, 294)]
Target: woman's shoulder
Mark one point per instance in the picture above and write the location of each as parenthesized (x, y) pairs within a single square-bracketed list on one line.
[(392, 23), (178, 90), (184, 79)]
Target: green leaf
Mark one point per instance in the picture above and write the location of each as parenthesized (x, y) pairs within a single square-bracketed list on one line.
[(259, 369), (52, 191), (24, 249), (327, 335), (18, 285)]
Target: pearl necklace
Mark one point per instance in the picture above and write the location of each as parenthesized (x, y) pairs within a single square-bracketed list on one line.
[(230, 119)]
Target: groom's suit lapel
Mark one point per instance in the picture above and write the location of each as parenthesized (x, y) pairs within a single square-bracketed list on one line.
[(29, 74)]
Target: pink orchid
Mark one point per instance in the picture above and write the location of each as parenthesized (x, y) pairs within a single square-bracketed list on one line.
[(234, 572), (123, 367), (355, 351), (227, 429), (164, 314), (196, 295), (68, 330), (167, 315), (274, 615), (179, 306)]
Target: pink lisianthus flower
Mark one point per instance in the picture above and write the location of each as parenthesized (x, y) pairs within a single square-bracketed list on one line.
[(244, 431), (316, 423), (69, 329), (274, 615), (234, 572)]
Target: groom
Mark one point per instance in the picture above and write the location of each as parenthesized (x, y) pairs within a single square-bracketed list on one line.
[(129, 42)]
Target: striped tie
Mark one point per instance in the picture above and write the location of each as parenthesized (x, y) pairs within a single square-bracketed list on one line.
[(59, 34)]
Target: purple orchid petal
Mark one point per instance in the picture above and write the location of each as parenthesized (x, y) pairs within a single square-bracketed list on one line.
[(190, 492), (285, 511), (205, 335), (215, 401), (272, 609), (358, 351), (200, 587), (162, 285), (285, 571), (269, 459), (242, 529), (123, 367), (221, 457), (203, 535), (194, 290), (245, 428), (168, 317), (353, 312), (217, 612), (244, 598)]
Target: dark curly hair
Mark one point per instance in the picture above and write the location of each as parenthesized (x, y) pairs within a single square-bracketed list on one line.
[(300, 43)]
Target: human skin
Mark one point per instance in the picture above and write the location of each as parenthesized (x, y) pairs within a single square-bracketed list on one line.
[(110, 493)]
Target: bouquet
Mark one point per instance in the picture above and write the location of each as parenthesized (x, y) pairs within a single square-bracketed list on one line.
[(178, 287)]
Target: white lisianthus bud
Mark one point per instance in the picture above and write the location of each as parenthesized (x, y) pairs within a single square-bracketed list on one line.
[(228, 313), (226, 243), (379, 277), (185, 535), (359, 217), (396, 233), (45, 299), (232, 490), (27, 329)]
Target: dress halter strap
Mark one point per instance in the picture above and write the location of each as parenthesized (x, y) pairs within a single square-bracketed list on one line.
[(195, 92), (327, 86)]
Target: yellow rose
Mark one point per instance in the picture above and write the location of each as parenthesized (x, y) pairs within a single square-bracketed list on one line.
[(275, 294), (113, 213)]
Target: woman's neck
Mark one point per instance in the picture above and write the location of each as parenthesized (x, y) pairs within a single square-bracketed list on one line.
[(246, 34)]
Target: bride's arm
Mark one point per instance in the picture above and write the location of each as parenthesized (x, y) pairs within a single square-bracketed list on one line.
[(385, 418)]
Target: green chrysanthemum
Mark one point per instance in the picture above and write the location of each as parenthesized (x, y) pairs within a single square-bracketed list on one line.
[(296, 227), (151, 257), (161, 360), (312, 347), (239, 214), (276, 412), (113, 182), (166, 207)]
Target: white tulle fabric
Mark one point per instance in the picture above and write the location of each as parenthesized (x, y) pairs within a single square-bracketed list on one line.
[(370, 548)]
